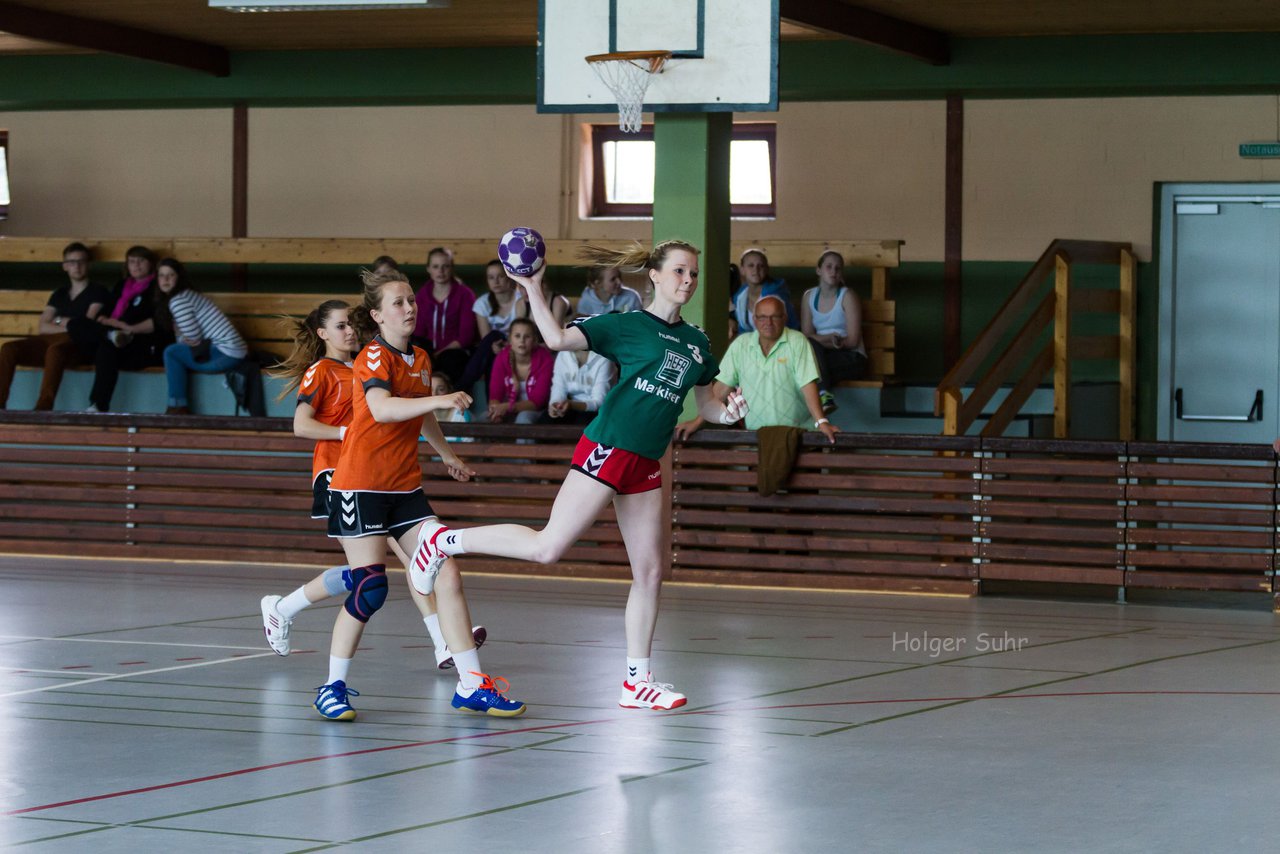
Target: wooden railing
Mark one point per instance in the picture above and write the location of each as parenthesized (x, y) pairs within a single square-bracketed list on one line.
[(876, 254), (1025, 360), (873, 512)]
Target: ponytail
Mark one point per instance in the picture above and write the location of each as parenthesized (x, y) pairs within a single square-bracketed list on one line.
[(634, 258), (308, 346)]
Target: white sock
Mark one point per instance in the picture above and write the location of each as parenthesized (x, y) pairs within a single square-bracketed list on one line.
[(450, 542), (637, 670), (338, 668), (291, 605), (469, 673), (433, 626)]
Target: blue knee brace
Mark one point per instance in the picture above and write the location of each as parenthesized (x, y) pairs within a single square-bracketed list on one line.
[(368, 591), (337, 579)]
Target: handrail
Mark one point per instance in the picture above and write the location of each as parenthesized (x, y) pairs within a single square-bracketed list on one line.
[(877, 254), (959, 413)]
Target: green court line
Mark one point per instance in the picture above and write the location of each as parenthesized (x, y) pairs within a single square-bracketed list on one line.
[(1020, 689), (497, 810)]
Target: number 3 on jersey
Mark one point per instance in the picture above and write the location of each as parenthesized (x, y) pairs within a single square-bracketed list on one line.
[(697, 354)]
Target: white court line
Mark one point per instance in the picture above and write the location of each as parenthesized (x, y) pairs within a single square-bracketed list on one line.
[(131, 642), (135, 673)]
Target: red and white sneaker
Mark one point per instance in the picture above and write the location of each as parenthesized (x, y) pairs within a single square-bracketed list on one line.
[(427, 557), (647, 694), (275, 625)]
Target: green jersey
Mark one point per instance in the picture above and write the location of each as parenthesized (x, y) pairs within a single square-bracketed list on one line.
[(658, 362)]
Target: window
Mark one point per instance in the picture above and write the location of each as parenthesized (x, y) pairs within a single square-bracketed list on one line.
[(622, 171), (4, 174)]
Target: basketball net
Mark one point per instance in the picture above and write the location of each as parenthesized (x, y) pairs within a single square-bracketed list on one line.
[(627, 75)]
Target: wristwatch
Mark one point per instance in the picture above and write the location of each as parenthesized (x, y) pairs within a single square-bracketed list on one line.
[(820, 422)]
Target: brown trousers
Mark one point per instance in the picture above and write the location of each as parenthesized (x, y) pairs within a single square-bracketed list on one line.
[(54, 353)]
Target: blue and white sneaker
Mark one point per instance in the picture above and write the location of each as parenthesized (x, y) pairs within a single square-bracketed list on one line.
[(331, 701), (444, 658), (488, 699)]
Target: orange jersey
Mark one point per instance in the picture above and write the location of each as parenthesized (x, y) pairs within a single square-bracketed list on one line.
[(326, 387), (383, 457)]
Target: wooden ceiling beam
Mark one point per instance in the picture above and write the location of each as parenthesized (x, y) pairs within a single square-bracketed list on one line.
[(864, 25), (113, 38)]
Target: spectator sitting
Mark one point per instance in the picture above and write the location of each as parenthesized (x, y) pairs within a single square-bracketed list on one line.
[(205, 341), (383, 263), (605, 293), (495, 312), (124, 335), (831, 316), (775, 368), (53, 349), (446, 323), (579, 381), (520, 384), (756, 283)]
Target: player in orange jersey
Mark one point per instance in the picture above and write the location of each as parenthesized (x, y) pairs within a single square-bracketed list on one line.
[(320, 368), (376, 491)]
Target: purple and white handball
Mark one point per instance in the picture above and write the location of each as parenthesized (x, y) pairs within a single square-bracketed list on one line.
[(522, 251)]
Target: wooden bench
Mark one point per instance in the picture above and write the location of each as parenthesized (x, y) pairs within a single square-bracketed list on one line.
[(893, 513), (253, 313)]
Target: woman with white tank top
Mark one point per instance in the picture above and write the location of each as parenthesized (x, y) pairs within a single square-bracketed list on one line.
[(831, 316)]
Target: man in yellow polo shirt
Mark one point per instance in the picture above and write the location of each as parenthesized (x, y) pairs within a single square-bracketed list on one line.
[(775, 368)]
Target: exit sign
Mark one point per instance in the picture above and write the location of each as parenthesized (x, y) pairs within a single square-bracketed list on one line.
[(1260, 149)]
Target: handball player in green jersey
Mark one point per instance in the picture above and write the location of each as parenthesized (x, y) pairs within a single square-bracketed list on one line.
[(660, 358)]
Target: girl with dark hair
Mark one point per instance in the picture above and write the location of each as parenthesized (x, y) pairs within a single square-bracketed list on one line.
[(520, 383), (495, 312), (319, 368), (205, 340), (660, 358)]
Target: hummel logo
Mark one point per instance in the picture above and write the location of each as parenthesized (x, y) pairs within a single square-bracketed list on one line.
[(373, 366), (597, 458)]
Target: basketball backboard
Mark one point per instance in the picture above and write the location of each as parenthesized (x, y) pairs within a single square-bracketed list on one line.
[(724, 53)]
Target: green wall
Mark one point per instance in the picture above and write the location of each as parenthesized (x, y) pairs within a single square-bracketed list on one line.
[(1215, 63)]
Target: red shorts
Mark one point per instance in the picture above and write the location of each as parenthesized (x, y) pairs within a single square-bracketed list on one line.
[(622, 471)]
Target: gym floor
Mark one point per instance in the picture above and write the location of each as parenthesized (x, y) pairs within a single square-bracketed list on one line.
[(147, 714)]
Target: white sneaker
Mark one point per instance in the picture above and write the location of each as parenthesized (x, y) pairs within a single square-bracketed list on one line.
[(444, 658), (93, 407), (427, 558), (647, 694), (275, 625)]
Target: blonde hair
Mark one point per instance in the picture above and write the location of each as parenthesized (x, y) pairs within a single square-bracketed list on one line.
[(308, 346), (636, 257), (371, 300)]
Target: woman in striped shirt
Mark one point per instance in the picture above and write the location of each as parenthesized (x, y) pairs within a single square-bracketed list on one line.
[(206, 341)]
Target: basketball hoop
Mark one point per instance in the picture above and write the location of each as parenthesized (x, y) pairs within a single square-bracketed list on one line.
[(627, 73)]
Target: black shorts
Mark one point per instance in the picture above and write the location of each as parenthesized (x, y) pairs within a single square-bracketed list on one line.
[(382, 514), (320, 495)]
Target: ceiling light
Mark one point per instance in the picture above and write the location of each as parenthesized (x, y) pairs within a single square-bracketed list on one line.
[(322, 5)]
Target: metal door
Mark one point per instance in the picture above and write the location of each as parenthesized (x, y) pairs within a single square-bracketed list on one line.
[(1221, 382)]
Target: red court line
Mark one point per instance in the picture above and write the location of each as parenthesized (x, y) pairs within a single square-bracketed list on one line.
[(547, 727)]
